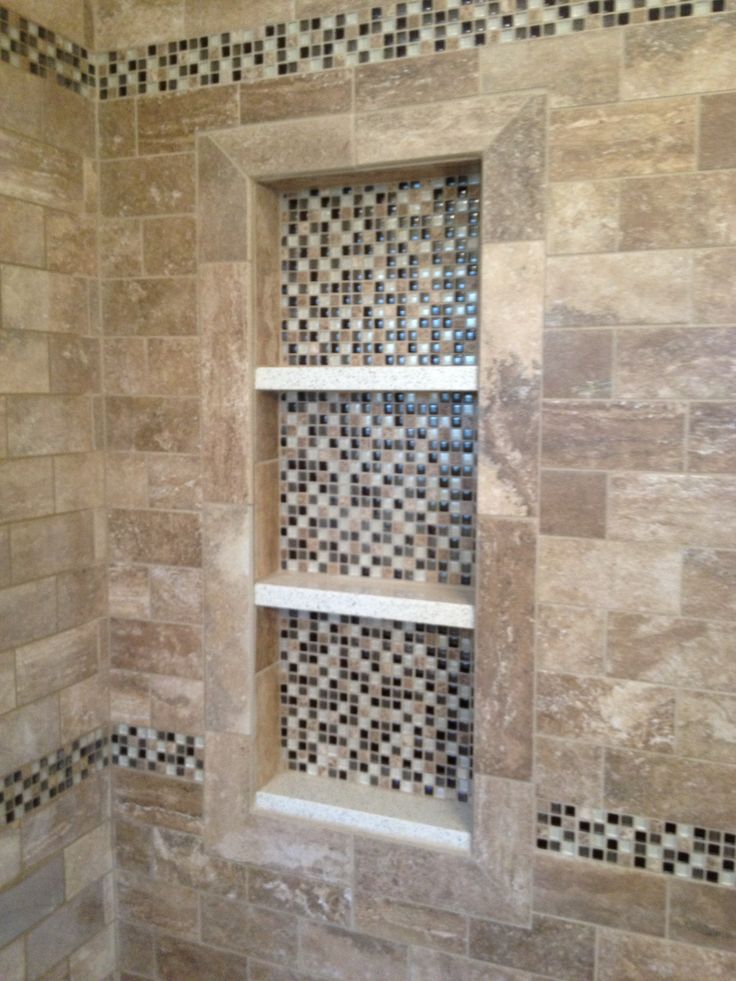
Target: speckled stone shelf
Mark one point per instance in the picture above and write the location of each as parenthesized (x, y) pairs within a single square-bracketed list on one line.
[(446, 378), (428, 821), (383, 599)]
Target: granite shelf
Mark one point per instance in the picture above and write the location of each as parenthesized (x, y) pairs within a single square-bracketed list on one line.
[(422, 820), (383, 599), (446, 378)]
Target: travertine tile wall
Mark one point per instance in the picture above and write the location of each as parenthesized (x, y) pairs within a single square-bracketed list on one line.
[(56, 901), (633, 580)]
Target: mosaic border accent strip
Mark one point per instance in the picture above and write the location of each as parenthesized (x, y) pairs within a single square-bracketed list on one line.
[(33, 48), (687, 851), (35, 784), (170, 754)]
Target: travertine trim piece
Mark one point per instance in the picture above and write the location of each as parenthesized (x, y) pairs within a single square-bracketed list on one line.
[(378, 379), (405, 817), (172, 754), (440, 605), (35, 784), (649, 844)]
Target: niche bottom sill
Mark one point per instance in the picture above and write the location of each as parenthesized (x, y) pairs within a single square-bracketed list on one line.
[(407, 817)]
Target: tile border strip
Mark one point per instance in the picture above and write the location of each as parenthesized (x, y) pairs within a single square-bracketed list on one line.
[(169, 754), (686, 851), (395, 31)]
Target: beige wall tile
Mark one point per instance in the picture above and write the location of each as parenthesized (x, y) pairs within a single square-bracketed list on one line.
[(326, 902), (635, 288), (74, 364), (21, 101), (173, 365), (28, 732), (7, 683), (431, 965), (26, 489), (67, 20), (125, 369), (714, 291), (234, 14), (575, 70), (149, 307), (4, 556), (78, 481), (640, 958), (56, 662), (156, 904), (31, 900), (551, 945), (583, 216), (176, 594), (121, 248), (267, 729), (687, 509), (573, 503), (28, 611), (36, 300), (158, 537), (613, 435), (249, 929), (47, 545), (712, 438), (59, 824), (621, 140), (614, 713), (223, 206), (156, 425), (127, 480), (335, 952), (676, 363), (71, 243), (576, 767), (176, 960), (130, 699), (708, 581), (96, 958), (169, 246), (13, 961), (609, 575), (85, 706), (619, 898), (152, 186), (169, 123), (672, 651), (10, 855), (136, 950), (717, 140), (313, 94), (125, 24), (39, 173), (165, 801), (177, 704), (129, 591), (21, 233), (702, 915), (174, 481), (68, 119), (24, 362), (578, 364), (706, 726), (684, 790), (117, 128), (383, 85), (570, 640), (159, 648)]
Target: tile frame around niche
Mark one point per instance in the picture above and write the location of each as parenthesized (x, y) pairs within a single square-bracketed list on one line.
[(241, 171)]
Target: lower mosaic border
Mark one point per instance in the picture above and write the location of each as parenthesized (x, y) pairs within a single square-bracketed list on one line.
[(170, 754), (688, 851)]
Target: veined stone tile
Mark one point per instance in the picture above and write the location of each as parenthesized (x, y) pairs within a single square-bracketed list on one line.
[(26, 488), (156, 537), (313, 94), (223, 203), (159, 648), (21, 232), (117, 129), (249, 929), (316, 899), (62, 821), (709, 584), (577, 767), (41, 425), (712, 438), (156, 904), (147, 307), (38, 173), (32, 899), (28, 612), (336, 953), (550, 945), (169, 123), (71, 243), (578, 364), (714, 292), (573, 503), (52, 544), (147, 186), (34, 299), (706, 726), (582, 216), (717, 128), (174, 481), (702, 915), (24, 362), (56, 662), (182, 860), (96, 958), (570, 639), (163, 801), (169, 246), (177, 960), (640, 958)]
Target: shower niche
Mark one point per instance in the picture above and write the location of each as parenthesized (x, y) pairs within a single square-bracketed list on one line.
[(365, 501)]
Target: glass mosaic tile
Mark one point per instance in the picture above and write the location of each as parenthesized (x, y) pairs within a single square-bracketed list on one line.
[(383, 274), (379, 484), (172, 754), (35, 49), (376, 702)]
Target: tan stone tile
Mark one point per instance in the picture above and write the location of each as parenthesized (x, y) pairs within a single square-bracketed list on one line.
[(7, 683), (26, 488), (672, 651), (157, 537), (81, 596), (36, 300), (173, 365), (28, 732), (609, 575), (323, 901), (124, 366), (576, 767), (74, 365), (148, 186), (599, 710), (503, 698), (583, 216), (712, 438), (227, 364), (71, 243), (267, 426), (234, 15), (21, 101), (291, 147), (136, 950), (622, 140), (468, 125), (174, 481), (714, 291), (717, 140), (676, 363), (117, 128), (431, 965), (84, 706), (176, 594), (24, 362), (679, 212), (706, 726), (337, 953), (510, 379), (155, 904), (578, 363), (686, 509), (267, 519), (21, 232), (124, 25), (4, 557), (312, 94), (223, 206), (384, 85), (121, 247), (95, 959), (168, 425), (160, 648), (47, 545), (268, 754), (613, 435), (249, 929), (31, 900), (47, 665), (169, 123), (130, 698), (708, 583), (39, 173), (576, 69), (570, 639), (13, 961), (261, 971), (182, 860), (634, 288), (68, 120), (169, 246), (691, 791), (87, 859), (78, 481), (127, 480), (553, 946), (3, 428), (10, 855), (177, 704), (638, 958), (133, 846), (702, 915), (267, 309), (149, 306), (178, 961), (28, 612), (573, 503)]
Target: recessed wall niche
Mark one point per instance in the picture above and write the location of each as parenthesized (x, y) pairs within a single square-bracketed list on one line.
[(377, 462)]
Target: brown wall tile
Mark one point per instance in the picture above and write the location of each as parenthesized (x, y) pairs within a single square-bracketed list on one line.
[(714, 291), (40, 425), (81, 595), (163, 801), (570, 639), (249, 929), (169, 123), (10, 855), (130, 699), (335, 952), (47, 545), (161, 648), (136, 951), (386, 84), (177, 960), (117, 128), (326, 902), (223, 206), (583, 216), (573, 504), (291, 147), (137, 22), (706, 725), (24, 362), (84, 706), (78, 481), (639, 958), (31, 900), (313, 94), (125, 371), (96, 958), (182, 860), (173, 365), (71, 243), (21, 232), (62, 821), (56, 662), (177, 705), (149, 306), (21, 101), (154, 186), (39, 173), (28, 732), (36, 300), (161, 538), (578, 363), (709, 583), (702, 915), (552, 946), (676, 363), (74, 364), (711, 441), (120, 247), (152, 424), (613, 435), (574, 766), (176, 594), (174, 481), (169, 246), (156, 904), (26, 488), (717, 128), (28, 611)]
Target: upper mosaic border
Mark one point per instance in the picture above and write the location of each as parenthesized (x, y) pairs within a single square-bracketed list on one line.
[(299, 47)]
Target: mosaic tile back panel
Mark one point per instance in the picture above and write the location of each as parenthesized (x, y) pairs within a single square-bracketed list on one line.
[(376, 702), (383, 274), (379, 484)]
